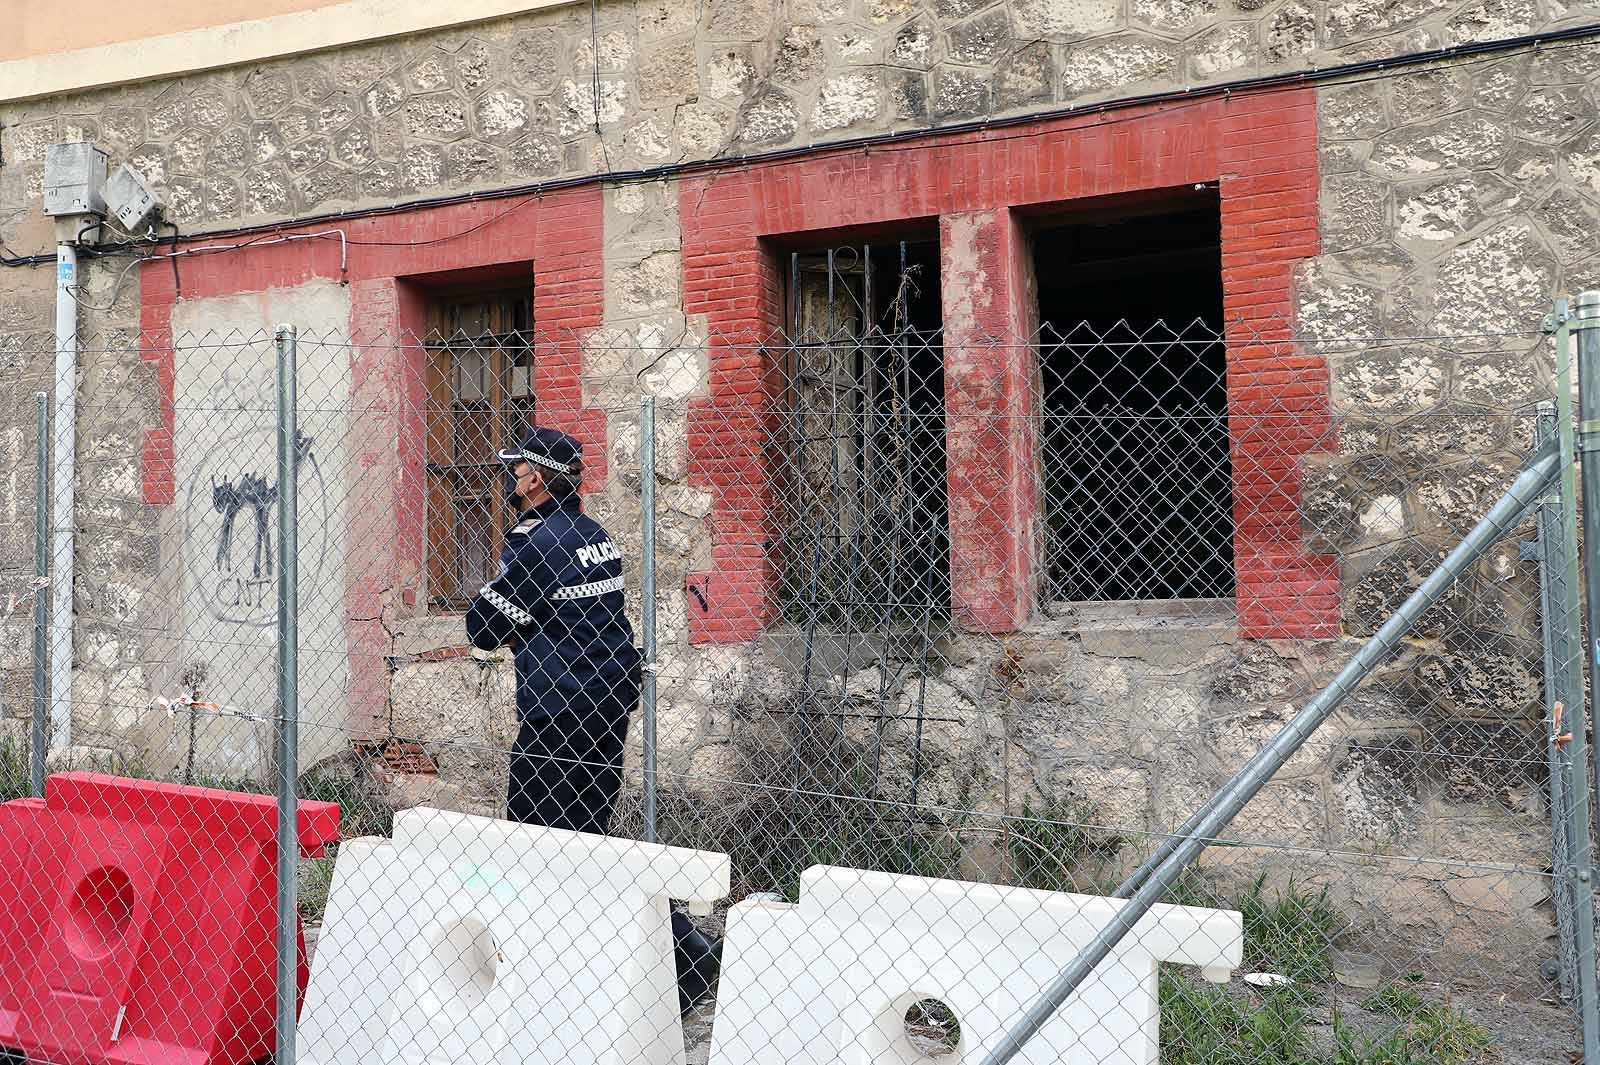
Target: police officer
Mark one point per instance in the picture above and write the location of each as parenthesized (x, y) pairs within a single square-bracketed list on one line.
[(557, 600)]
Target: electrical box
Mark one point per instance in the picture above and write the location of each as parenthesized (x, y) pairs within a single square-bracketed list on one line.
[(74, 179), (130, 199)]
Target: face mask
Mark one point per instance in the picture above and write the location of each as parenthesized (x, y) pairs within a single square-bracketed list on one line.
[(510, 481)]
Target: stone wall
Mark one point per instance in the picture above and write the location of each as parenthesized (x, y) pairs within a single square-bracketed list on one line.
[(549, 95), (1455, 201)]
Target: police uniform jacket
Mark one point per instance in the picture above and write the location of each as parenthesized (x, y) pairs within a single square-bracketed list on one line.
[(558, 600)]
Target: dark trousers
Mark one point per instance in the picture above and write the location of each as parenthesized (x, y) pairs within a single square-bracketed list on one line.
[(566, 769)]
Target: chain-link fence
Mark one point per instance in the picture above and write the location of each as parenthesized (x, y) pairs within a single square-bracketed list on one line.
[(942, 635)]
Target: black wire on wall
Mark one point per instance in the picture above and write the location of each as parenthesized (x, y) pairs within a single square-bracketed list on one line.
[(1354, 73)]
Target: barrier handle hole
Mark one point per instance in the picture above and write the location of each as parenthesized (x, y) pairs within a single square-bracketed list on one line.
[(932, 1028), (100, 912), (462, 965)]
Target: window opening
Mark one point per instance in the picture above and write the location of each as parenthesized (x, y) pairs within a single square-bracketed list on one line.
[(1135, 449), (480, 385), (866, 537)]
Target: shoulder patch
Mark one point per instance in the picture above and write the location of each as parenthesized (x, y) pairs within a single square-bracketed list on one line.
[(527, 526)]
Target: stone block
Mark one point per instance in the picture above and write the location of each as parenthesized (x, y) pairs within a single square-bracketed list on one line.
[(799, 58), (1024, 77), (430, 73), (1377, 582), (536, 155), (306, 155), (268, 90), (1481, 764), (1290, 35), (1492, 20), (959, 92), (1335, 312), (471, 163), (500, 116), (857, 46), (1116, 63), (1223, 49), (1480, 686), (1429, 214), (536, 59), (1116, 798), (1427, 94), (846, 100), (1504, 381), (1176, 17), (980, 39), (1465, 141), (436, 116), (324, 184), (1403, 379), (1065, 19), (451, 704), (1571, 222), (913, 44), (770, 118), (739, 20), (1376, 790), (1531, 168), (666, 75), (1354, 212), (1460, 433), (1282, 814), (1233, 740), (888, 12), (1351, 20), (908, 96)]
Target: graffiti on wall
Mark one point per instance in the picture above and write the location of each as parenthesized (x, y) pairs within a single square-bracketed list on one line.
[(231, 523)]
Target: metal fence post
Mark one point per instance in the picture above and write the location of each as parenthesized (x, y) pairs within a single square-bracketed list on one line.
[(39, 738), (288, 694), (1586, 325), (647, 502), (1569, 792)]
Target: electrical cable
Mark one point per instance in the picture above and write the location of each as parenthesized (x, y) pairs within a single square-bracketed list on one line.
[(1347, 73)]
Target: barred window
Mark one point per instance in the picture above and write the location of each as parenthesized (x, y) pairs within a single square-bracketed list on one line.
[(480, 399)]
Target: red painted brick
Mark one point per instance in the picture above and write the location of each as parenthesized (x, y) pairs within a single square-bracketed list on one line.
[(560, 232), (1262, 150)]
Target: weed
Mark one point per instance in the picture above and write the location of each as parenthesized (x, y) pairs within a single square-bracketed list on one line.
[(1192, 889), (1291, 935), (363, 811), (316, 877), (1048, 847), (1209, 1026), (15, 772), (1395, 1001), (1428, 1034), (1214, 1026)]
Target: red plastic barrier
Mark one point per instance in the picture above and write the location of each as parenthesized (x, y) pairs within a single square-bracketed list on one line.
[(141, 928)]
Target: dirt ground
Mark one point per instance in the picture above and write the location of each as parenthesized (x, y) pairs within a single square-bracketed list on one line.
[(1525, 1033)]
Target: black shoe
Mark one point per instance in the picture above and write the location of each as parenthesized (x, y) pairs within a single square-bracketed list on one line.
[(698, 958)]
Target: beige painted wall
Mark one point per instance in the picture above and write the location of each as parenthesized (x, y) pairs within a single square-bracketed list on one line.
[(53, 26)]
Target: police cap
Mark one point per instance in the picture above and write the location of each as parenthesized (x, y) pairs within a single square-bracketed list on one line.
[(550, 448)]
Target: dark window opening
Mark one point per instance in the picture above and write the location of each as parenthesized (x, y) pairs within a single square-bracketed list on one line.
[(480, 399), (865, 536), (1137, 478)]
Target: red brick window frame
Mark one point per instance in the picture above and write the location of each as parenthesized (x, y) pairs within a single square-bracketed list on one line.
[(1260, 149), (391, 262)]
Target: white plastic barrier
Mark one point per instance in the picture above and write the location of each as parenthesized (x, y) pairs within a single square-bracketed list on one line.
[(468, 939), (830, 979)]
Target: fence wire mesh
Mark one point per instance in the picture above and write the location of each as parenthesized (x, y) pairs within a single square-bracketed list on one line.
[(950, 632)]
